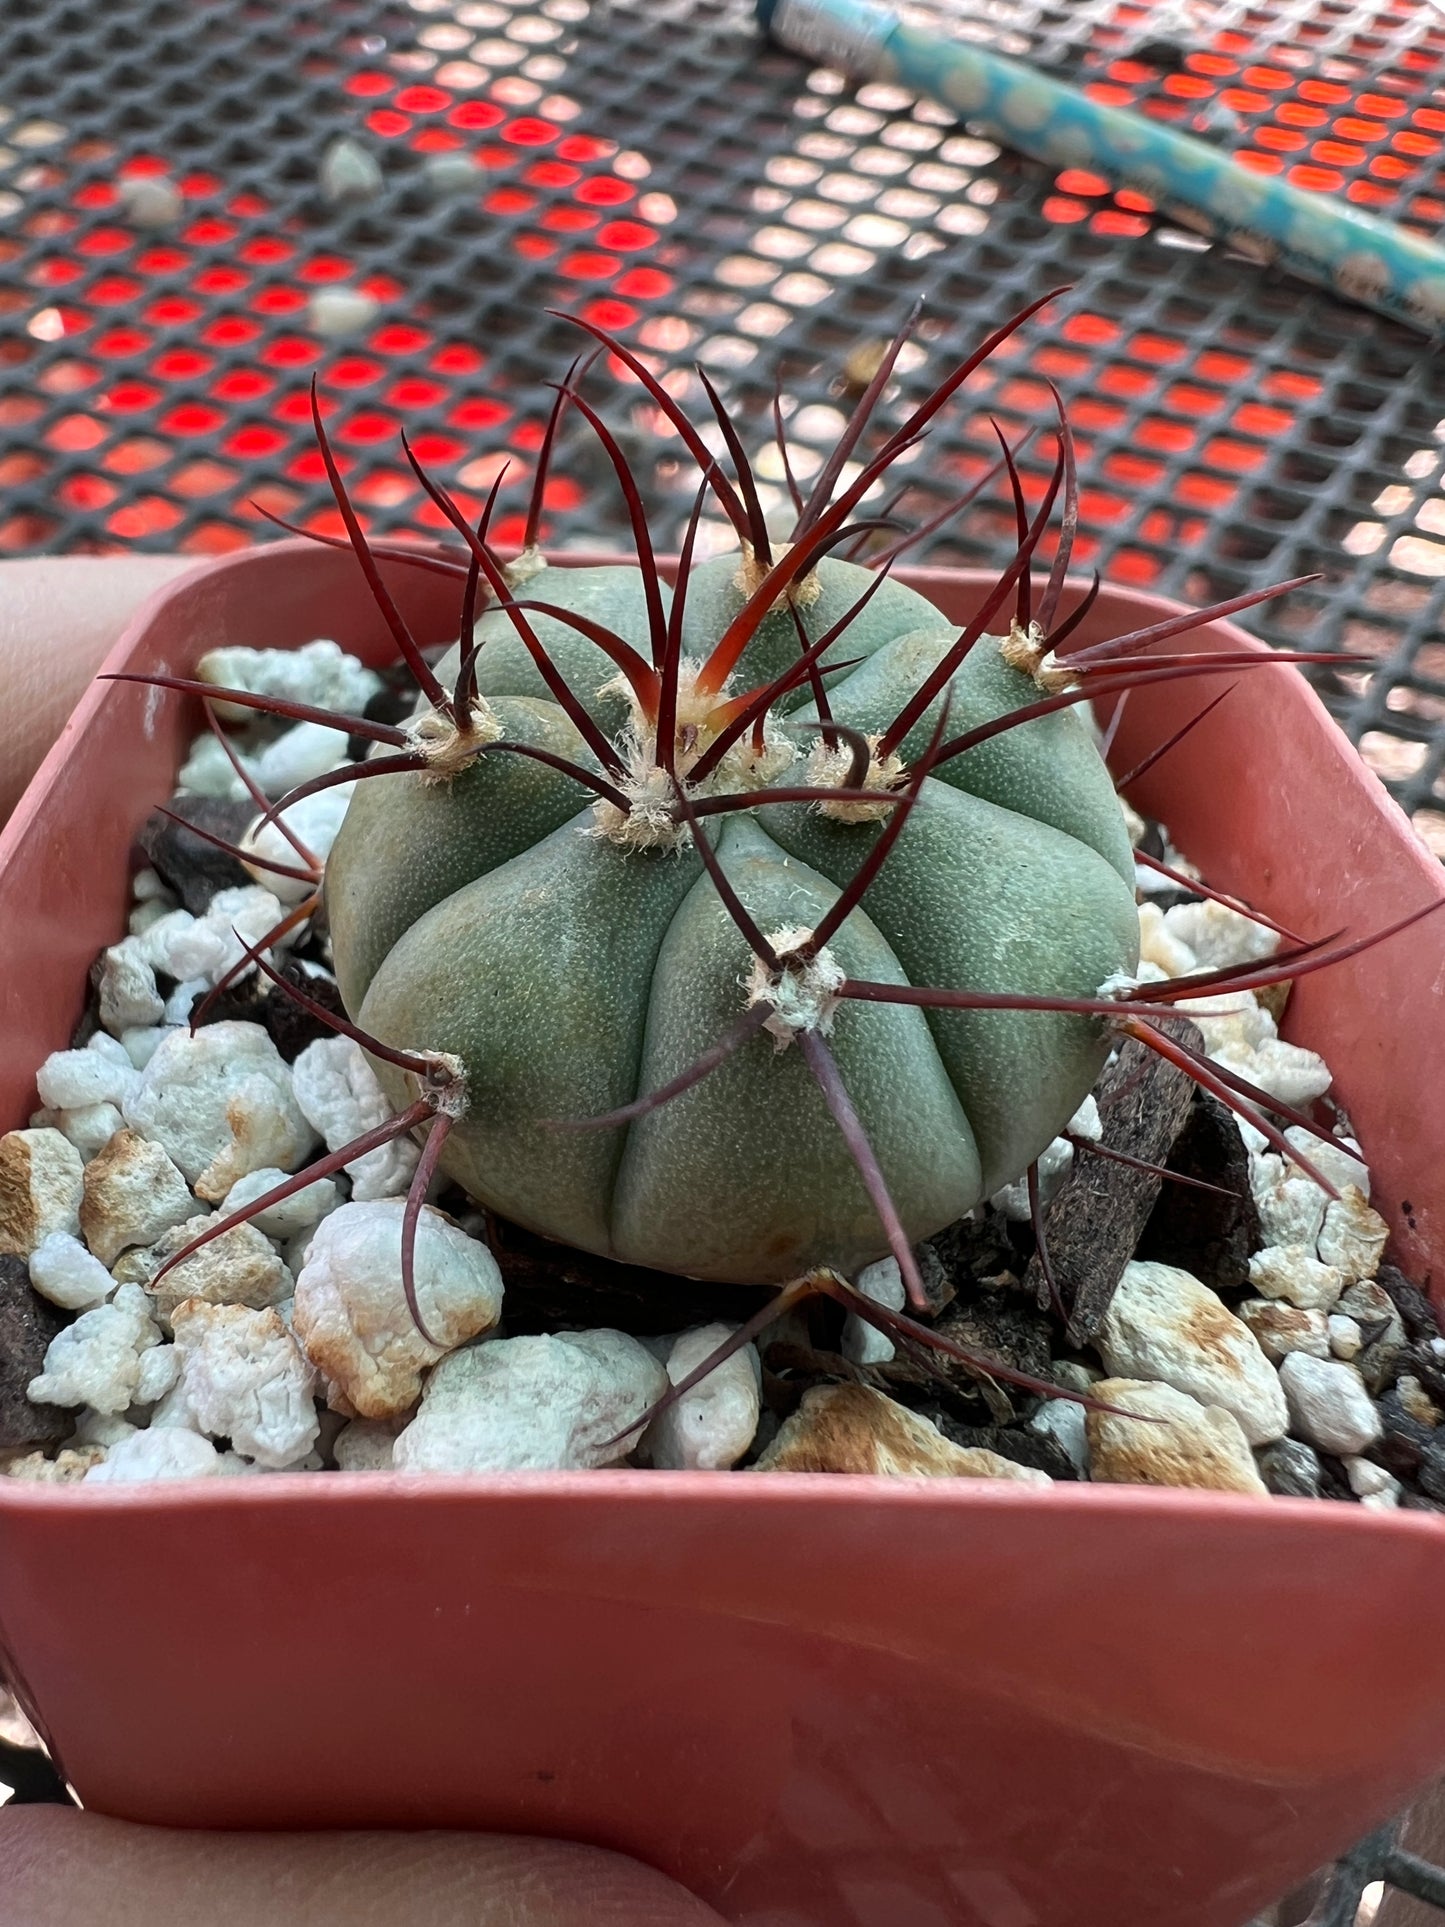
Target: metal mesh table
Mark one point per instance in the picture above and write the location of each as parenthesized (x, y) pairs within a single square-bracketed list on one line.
[(656, 167)]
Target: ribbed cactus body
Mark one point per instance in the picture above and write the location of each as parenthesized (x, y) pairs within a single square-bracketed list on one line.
[(486, 915)]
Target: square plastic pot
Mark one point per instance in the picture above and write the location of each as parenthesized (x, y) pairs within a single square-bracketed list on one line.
[(814, 1700)]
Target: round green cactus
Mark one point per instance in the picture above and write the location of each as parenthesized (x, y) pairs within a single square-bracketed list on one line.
[(576, 952), (746, 918)]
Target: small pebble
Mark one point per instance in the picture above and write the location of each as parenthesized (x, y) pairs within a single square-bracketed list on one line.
[(321, 674), (883, 1283), (561, 1403), (1371, 1484), (62, 1270), (1293, 1272), (851, 1428), (365, 1445), (1218, 935), (335, 312), (349, 172), (69, 1079), (352, 1318), (132, 1194), (129, 999), (711, 1427), (1329, 1406), (240, 1267), (292, 1217), (1063, 1420), (96, 1361), (157, 1455), (1346, 1337), (244, 1378), (1353, 1236), (40, 1189), (150, 200), (339, 1095), (1196, 1445), (1162, 1324), (220, 1103), (1290, 1468), (1281, 1327)]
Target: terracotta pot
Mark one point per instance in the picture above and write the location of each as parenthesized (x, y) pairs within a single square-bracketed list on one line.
[(812, 1700)]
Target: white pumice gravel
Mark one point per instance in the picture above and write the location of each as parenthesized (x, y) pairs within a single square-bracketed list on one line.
[(132, 1193), (244, 1378), (340, 1097), (128, 997), (1372, 1485), (292, 1217), (157, 1455), (1329, 1404), (1064, 1421), (711, 1427), (1194, 1445), (1293, 1272), (365, 1445), (562, 1403), (1353, 1237), (41, 1179), (62, 1270), (96, 1361), (883, 1283), (314, 821), (220, 1103), (351, 1317), (69, 1079), (320, 673), (1219, 936), (239, 1267), (1164, 1325), (1282, 1328)]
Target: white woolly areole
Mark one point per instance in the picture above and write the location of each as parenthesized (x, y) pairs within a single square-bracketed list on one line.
[(447, 748), (802, 593), (805, 997), (1028, 650), (523, 567), (446, 1083), (651, 820), (1117, 985), (829, 767)]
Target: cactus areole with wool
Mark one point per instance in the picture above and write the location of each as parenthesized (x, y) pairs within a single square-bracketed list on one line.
[(571, 949)]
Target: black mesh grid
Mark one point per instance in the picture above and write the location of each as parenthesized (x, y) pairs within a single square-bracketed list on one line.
[(658, 168)]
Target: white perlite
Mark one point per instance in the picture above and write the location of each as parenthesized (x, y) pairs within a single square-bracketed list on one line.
[(711, 1427), (320, 673), (1282, 1328), (365, 1445), (157, 1455), (1195, 1445), (1163, 1324), (339, 1095), (1218, 935), (1329, 1405), (220, 1104), (62, 1270), (243, 1378), (290, 1217), (69, 1079), (40, 1187), (883, 1283), (533, 1404), (240, 1267), (1291, 1206), (315, 822), (1353, 1237), (97, 1360), (133, 1194), (1294, 1272), (129, 999), (351, 1316)]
